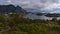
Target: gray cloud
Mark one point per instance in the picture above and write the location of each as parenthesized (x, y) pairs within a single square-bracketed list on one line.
[(36, 4)]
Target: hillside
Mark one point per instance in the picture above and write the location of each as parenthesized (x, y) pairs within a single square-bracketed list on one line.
[(16, 24)]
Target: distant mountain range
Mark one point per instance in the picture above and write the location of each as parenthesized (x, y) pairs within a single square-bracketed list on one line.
[(34, 10), (18, 9), (11, 8)]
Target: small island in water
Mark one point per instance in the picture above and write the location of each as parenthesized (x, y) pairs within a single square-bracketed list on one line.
[(48, 14), (52, 15)]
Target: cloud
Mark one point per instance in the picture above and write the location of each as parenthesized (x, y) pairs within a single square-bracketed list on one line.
[(35, 4)]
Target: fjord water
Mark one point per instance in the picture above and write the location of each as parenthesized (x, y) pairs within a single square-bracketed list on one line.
[(41, 17)]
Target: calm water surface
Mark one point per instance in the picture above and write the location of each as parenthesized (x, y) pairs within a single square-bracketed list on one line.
[(34, 16)]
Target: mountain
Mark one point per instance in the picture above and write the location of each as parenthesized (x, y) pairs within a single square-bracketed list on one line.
[(11, 8)]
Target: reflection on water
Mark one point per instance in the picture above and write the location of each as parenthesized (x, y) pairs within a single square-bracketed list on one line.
[(33, 16)]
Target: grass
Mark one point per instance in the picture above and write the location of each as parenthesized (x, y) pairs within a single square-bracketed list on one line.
[(20, 25)]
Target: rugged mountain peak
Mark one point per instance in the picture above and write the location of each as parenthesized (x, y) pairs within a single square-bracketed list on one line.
[(11, 8)]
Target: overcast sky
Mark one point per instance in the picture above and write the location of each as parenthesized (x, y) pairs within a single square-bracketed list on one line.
[(39, 4)]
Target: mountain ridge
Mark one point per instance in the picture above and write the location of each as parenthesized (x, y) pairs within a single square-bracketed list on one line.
[(11, 8)]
